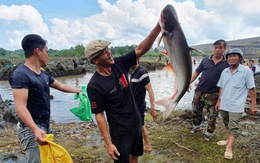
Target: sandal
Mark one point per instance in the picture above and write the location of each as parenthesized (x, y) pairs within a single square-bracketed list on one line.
[(228, 155), (207, 137), (222, 142), (195, 130)]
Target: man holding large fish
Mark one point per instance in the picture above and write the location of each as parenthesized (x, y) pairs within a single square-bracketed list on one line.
[(206, 93), (109, 92)]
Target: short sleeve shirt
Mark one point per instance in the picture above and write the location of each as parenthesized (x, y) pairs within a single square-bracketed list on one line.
[(235, 88), (38, 102), (210, 74), (113, 95), (139, 79)]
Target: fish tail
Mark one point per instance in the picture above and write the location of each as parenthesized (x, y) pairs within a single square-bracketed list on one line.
[(168, 104)]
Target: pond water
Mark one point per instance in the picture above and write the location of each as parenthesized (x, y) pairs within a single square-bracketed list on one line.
[(162, 83)]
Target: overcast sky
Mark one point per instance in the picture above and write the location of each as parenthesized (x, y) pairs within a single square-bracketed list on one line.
[(68, 23)]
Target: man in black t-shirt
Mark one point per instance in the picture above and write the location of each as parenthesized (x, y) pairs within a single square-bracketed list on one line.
[(140, 83), (109, 91), (31, 90)]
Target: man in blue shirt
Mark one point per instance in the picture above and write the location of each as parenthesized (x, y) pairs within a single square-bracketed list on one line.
[(234, 83)]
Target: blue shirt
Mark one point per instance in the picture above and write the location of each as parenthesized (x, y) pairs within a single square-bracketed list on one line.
[(235, 88)]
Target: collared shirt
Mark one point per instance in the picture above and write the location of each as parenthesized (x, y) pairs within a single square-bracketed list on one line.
[(235, 88), (210, 74)]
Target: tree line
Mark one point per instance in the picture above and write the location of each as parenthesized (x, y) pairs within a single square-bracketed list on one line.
[(78, 51)]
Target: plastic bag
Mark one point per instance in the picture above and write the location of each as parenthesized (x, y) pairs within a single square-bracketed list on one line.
[(83, 112), (53, 153)]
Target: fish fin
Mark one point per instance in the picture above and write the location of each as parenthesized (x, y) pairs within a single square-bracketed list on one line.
[(169, 68), (168, 110), (159, 41), (164, 53), (158, 46), (190, 48), (168, 105)]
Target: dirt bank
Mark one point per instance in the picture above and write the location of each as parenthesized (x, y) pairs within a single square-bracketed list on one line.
[(171, 141)]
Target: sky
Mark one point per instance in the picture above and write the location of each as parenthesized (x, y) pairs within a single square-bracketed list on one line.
[(65, 24)]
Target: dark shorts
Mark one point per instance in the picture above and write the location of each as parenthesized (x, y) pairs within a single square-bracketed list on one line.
[(133, 144), (142, 111)]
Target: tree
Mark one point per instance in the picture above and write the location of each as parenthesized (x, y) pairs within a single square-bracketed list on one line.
[(3, 52), (79, 50)]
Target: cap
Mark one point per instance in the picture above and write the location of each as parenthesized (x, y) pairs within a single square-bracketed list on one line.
[(94, 47), (235, 51)]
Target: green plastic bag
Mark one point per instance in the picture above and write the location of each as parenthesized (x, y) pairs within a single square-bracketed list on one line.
[(83, 112)]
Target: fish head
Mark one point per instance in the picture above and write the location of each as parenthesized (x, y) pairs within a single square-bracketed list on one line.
[(169, 19)]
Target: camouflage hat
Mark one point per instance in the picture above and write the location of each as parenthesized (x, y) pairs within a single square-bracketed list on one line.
[(235, 51), (94, 47)]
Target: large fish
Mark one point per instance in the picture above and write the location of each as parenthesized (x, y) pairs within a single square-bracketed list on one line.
[(178, 52)]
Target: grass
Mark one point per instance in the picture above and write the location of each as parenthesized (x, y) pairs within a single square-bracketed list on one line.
[(171, 141)]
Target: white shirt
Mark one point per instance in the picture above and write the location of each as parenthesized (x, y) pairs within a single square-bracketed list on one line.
[(235, 88)]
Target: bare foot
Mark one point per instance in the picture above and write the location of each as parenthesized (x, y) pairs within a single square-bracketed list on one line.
[(148, 148)]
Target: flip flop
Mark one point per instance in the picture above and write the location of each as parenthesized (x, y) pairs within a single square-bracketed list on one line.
[(207, 137), (195, 130), (222, 142), (228, 155)]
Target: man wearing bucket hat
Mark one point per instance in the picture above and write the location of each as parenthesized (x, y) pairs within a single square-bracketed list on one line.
[(109, 91), (235, 82)]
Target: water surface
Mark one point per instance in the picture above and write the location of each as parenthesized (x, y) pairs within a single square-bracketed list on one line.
[(162, 83)]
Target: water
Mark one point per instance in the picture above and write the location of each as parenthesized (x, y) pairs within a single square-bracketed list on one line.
[(162, 83)]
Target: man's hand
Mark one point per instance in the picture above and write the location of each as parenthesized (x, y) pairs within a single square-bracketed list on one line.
[(154, 114), (40, 136), (78, 90), (253, 109), (217, 106), (112, 150)]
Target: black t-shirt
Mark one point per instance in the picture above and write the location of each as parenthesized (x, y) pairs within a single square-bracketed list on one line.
[(139, 79), (113, 95), (210, 74), (38, 102)]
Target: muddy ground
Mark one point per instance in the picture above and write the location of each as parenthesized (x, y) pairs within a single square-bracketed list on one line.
[(171, 141)]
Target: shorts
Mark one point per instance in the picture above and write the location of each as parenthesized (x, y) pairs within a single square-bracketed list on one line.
[(142, 111), (29, 144), (232, 122), (133, 144)]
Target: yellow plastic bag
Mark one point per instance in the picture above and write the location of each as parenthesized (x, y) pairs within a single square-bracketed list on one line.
[(53, 153)]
